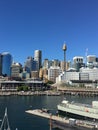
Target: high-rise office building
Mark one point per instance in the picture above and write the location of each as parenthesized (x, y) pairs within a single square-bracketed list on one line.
[(6, 63), (38, 58), (78, 62), (96, 59), (46, 63), (54, 72), (91, 58), (55, 63), (30, 64), (68, 65), (16, 69), (24, 74), (91, 61), (0, 64)]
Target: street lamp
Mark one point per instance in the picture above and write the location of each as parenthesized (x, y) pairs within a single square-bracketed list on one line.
[(64, 49)]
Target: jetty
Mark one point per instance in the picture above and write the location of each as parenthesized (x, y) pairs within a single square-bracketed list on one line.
[(62, 122)]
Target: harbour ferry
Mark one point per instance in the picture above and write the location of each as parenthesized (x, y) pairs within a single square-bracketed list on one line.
[(78, 110)]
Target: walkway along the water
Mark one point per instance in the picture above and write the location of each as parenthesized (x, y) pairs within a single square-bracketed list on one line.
[(62, 123)]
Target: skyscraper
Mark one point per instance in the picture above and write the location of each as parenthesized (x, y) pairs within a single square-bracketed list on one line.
[(91, 61), (30, 64), (16, 69), (38, 58), (46, 63), (78, 62), (6, 63), (0, 64)]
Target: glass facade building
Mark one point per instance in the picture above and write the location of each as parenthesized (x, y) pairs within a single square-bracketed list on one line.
[(0, 64), (6, 63), (30, 64)]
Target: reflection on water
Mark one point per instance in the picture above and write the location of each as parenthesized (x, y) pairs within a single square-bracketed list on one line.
[(17, 105)]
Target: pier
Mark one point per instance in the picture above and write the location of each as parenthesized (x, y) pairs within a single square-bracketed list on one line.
[(62, 122)]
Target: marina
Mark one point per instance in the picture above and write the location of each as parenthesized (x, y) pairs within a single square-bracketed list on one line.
[(61, 122)]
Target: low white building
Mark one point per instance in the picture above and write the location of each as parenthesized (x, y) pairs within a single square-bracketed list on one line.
[(92, 72), (67, 76), (85, 74)]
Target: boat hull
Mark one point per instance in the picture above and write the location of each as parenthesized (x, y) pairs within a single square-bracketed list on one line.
[(77, 114), (72, 115), (60, 125)]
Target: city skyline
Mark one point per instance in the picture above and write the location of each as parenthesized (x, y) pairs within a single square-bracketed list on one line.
[(45, 25)]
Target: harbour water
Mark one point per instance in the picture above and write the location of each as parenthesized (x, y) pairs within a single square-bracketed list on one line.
[(17, 105)]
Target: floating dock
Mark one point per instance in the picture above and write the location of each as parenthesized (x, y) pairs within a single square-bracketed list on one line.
[(62, 123)]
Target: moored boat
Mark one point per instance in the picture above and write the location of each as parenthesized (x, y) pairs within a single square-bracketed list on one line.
[(78, 110)]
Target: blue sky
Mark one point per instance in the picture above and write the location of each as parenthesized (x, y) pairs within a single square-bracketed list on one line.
[(28, 25)]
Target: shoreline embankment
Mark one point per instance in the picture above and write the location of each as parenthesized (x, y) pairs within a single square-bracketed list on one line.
[(29, 93), (68, 91)]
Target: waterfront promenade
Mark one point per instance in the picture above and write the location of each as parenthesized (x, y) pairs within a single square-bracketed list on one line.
[(30, 93), (78, 91), (62, 91)]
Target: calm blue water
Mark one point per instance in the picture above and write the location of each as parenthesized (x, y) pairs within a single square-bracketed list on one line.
[(17, 105)]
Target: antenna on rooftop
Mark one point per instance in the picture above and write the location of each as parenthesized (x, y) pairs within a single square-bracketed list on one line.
[(86, 54)]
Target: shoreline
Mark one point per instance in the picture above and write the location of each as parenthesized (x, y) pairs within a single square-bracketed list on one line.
[(30, 93), (72, 92)]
